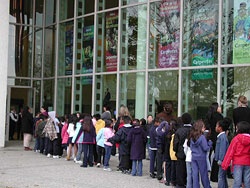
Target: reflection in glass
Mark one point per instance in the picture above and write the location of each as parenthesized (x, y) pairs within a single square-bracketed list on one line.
[(127, 2), (107, 42), (105, 93), (49, 52), (85, 44), (65, 55), (37, 65), (133, 38), (132, 93), (37, 91), (83, 94), (64, 93), (50, 13), (235, 82), (164, 34), (20, 51), (66, 9), (162, 87), (201, 26), (85, 7), (48, 93), (21, 11), (198, 91), (39, 13), (102, 5)]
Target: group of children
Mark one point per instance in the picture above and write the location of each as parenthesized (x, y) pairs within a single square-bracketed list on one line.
[(178, 150)]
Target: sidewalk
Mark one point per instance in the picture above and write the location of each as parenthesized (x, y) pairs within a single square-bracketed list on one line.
[(27, 169)]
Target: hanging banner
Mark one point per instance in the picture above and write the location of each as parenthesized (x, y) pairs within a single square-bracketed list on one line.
[(241, 41), (169, 29), (87, 53), (203, 36), (111, 40), (68, 49)]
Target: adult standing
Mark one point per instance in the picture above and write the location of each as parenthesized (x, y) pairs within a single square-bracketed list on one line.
[(13, 122), (27, 127), (242, 112)]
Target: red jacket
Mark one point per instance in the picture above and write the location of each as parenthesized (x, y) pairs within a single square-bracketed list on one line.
[(238, 152)]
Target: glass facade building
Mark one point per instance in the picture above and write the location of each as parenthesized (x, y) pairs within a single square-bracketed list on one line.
[(66, 54)]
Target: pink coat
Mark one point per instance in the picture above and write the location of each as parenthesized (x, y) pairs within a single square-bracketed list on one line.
[(65, 134)]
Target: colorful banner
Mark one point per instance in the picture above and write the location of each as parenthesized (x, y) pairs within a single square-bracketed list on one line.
[(203, 36), (241, 41), (111, 40), (169, 30), (87, 53), (68, 49)]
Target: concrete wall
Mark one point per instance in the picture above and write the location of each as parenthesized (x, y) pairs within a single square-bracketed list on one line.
[(4, 36)]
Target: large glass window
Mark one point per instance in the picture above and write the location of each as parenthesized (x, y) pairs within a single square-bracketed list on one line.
[(132, 93), (104, 4), (83, 94), (199, 90), (107, 42), (21, 11), (37, 94), (85, 7), (105, 93), (39, 13), (235, 82), (164, 34), (48, 93), (200, 33), (134, 38), (85, 45), (66, 10), (49, 52), (65, 55), (50, 14), (127, 2), (20, 51), (38, 45), (64, 93), (236, 38), (162, 87)]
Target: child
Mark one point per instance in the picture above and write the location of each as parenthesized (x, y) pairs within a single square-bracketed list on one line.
[(199, 147), (108, 133), (220, 151), (239, 154), (137, 139)]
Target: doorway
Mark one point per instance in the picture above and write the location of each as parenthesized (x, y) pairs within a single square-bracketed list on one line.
[(18, 97)]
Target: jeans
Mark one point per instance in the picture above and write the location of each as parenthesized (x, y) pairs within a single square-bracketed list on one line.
[(87, 155), (107, 155), (136, 167), (79, 152), (222, 178), (241, 172), (100, 153), (152, 160), (189, 175), (37, 144), (200, 167)]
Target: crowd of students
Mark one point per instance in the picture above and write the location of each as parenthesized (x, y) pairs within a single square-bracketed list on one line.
[(179, 149)]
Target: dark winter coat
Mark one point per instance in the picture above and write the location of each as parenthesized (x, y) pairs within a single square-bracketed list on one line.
[(89, 137), (137, 138), (27, 123), (153, 137), (121, 138)]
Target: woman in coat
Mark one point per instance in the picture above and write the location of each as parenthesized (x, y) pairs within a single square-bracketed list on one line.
[(27, 127)]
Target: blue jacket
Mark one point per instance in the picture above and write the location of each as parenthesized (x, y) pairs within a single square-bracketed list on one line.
[(161, 132), (89, 137), (100, 138), (153, 137), (221, 147), (200, 148)]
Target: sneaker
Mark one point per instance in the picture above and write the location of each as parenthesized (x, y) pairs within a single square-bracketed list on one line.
[(98, 165), (48, 155), (162, 181), (152, 175), (107, 169), (78, 162), (55, 156)]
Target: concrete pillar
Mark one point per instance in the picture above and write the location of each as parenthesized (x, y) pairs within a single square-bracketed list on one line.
[(4, 31)]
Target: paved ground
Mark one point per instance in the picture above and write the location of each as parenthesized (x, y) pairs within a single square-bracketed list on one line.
[(27, 169)]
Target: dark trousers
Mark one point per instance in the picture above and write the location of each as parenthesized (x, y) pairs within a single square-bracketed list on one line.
[(152, 160), (168, 170), (159, 159), (126, 163), (173, 172), (53, 147), (87, 155), (42, 144), (100, 154), (12, 130), (181, 173), (95, 152)]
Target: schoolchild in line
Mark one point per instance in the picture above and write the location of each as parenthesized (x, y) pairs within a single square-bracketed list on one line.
[(108, 133)]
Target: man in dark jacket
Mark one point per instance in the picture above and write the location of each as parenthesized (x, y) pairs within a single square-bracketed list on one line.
[(124, 149), (179, 138)]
